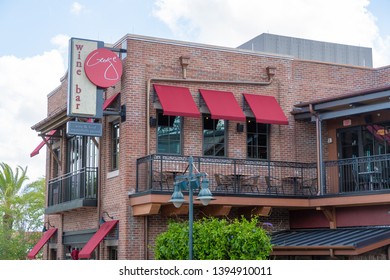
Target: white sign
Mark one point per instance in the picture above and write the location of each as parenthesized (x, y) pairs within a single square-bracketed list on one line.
[(82, 94)]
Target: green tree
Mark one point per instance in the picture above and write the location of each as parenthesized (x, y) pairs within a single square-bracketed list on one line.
[(215, 239), (21, 212)]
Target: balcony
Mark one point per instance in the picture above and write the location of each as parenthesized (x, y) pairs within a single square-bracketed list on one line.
[(72, 190), (246, 177)]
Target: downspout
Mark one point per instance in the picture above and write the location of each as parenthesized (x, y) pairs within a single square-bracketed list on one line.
[(320, 177)]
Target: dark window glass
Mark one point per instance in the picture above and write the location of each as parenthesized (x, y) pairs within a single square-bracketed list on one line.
[(257, 139), (168, 134), (213, 137)]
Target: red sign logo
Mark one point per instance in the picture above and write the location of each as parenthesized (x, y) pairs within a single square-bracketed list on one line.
[(103, 68)]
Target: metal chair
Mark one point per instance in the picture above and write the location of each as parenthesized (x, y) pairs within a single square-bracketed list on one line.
[(161, 180), (249, 183), (273, 184), (224, 182), (310, 185)]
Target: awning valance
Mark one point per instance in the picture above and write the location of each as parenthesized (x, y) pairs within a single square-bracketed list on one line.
[(222, 105), (176, 101), (104, 229), (266, 109), (45, 238)]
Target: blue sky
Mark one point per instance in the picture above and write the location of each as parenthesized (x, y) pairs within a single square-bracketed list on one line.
[(35, 34)]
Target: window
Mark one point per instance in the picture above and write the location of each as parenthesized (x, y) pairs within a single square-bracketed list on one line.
[(115, 145), (168, 134), (82, 158), (213, 137), (56, 166), (82, 152), (257, 139), (113, 253)]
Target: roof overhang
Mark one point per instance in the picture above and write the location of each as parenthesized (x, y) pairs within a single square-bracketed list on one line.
[(52, 122), (355, 103), (333, 242)]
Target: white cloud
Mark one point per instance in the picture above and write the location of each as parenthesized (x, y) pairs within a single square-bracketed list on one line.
[(61, 41), (24, 85), (233, 22), (76, 8)]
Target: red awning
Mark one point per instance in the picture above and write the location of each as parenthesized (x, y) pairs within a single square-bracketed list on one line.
[(39, 147), (46, 236), (104, 229), (266, 109), (222, 105), (109, 100), (177, 101)]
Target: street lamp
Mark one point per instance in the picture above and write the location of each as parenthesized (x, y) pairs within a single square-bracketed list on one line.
[(190, 182)]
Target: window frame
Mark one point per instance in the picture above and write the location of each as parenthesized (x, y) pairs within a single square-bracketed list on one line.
[(159, 114), (225, 135), (257, 146)]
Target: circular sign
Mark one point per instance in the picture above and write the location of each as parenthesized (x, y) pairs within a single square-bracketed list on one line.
[(103, 68)]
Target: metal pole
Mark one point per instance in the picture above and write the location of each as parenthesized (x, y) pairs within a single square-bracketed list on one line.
[(190, 210)]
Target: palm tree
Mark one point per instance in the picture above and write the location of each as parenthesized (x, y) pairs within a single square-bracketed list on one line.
[(11, 185), (21, 212)]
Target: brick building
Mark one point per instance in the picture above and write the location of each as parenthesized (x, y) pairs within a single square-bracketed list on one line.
[(301, 143)]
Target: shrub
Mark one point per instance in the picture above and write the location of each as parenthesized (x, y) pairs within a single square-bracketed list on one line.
[(215, 239)]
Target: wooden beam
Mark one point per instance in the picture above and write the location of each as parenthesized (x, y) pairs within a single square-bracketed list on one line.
[(263, 211), (52, 151), (171, 210), (330, 214), (216, 210), (146, 209)]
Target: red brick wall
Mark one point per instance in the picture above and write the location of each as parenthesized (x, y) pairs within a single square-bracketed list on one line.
[(295, 81)]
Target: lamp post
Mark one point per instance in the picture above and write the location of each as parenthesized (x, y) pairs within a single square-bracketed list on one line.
[(190, 182)]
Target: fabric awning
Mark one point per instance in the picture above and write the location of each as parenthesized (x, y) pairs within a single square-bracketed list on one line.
[(109, 100), (45, 238), (339, 241), (40, 146), (104, 229), (176, 101), (266, 109), (222, 105)]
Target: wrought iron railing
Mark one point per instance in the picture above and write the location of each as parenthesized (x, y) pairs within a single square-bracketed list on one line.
[(81, 184), (157, 172), (364, 174), (359, 174)]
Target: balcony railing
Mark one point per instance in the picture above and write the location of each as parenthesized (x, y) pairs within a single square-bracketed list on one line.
[(245, 176), (228, 175), (359, 174), (81, 184)]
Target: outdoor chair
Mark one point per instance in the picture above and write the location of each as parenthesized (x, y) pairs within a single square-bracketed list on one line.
[(309, 185), (273, 184), (224, 182), (249, 183), (162, 181)]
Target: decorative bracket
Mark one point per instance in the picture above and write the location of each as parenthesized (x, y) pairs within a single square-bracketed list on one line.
[(330, 214)]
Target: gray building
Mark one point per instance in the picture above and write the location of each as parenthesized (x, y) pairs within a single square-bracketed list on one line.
[(310, 49)]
